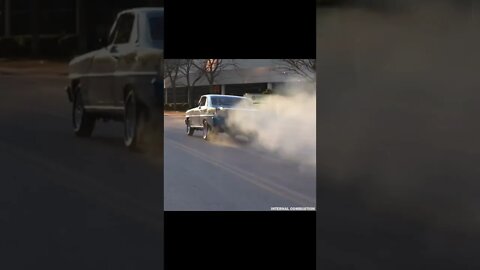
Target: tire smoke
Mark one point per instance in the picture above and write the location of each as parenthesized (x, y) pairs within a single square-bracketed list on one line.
[(283, 124)]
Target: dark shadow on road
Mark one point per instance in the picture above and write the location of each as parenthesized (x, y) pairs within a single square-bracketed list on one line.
[(112, 142), (50, 227)]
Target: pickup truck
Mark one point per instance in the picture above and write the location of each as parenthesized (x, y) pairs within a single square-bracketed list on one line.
[(123, 80)]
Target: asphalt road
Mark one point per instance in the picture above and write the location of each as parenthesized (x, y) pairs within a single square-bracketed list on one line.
[(71, 203), (230, 175)]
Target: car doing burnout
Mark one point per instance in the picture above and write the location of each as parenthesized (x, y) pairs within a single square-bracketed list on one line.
[(123, 80), (212, 115)]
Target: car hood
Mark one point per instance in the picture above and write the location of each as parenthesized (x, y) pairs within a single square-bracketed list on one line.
[(238, 109), (82, 57)]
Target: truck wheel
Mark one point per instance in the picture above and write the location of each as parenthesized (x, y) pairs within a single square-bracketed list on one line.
[(190, 130), (83, 123), (206, 131), (134, 122)]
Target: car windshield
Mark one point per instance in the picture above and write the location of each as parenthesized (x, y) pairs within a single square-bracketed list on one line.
[(155, 21), (220, 101)]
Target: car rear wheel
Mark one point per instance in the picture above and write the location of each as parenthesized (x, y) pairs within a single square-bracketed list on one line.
[(134, 122), (206, 131), (209, 132), (190, 130), (83, 123)]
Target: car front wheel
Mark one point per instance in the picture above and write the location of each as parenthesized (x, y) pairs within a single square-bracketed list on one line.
[(190, 130), (83, 123)]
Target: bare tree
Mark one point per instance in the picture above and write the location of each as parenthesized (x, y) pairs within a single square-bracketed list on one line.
[(302, 67), (192, 75), (172, 72), (211, 68)]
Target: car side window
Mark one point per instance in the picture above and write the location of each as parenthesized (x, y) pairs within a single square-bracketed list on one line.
[(123, 29), (202, 102)]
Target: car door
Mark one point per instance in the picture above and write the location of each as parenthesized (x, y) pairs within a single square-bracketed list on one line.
[(198, 111), (99, 91), (105, 63), (124, 52), (101, 74)]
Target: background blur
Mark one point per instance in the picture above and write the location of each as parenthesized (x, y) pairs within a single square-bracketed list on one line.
[(397, 144), (57, 28)]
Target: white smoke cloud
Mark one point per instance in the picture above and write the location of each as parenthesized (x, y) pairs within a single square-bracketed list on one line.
[(283, 124)]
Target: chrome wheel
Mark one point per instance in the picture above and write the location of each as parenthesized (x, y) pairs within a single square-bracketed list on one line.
[(130, 119), (77, 114), (83, 123), (189, 130), (205, 130)]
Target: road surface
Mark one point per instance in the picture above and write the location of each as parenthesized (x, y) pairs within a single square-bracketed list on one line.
[(71, 203), (229, 174)]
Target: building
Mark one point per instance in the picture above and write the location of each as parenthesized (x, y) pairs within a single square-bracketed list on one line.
[(245, 76)]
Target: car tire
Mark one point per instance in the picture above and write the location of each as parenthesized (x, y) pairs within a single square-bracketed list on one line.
[(190, 130), (83, 123), (134, 122), (206, 131)]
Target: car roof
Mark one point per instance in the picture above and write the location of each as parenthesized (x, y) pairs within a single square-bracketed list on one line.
[(212, 95)]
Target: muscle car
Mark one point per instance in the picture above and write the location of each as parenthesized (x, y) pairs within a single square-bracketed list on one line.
[(123, 80), (212, 115)]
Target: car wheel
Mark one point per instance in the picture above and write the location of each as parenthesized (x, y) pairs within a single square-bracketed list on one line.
[(190, 130), (206, 131), (134, 122), (83, 123)]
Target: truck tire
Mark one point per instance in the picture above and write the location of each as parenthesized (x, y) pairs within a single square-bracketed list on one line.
[(206, 131), (134, 122), (190, 130), (83, 123)]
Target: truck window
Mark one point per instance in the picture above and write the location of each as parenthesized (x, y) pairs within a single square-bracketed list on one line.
[(123, 29), (202, 101), (156, 27), (225, 101), (155, 23)]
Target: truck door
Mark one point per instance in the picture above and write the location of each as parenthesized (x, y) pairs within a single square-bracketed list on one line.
[(124, 52), (120, 44), (106, 61), (198, 111)]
